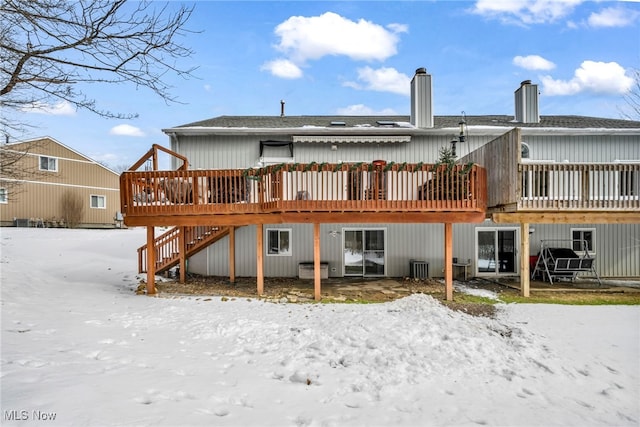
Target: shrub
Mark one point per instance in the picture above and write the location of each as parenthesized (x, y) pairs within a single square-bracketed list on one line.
[(72, 208)]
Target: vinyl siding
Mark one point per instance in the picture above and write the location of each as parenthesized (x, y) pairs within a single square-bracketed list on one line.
[(618, 246), (583, 148), (40, 194), (239, 152)]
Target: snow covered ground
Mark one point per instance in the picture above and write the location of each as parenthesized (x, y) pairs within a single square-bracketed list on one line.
[(79, 348)]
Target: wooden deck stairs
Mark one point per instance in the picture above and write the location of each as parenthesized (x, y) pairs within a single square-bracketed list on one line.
[(167, 245)]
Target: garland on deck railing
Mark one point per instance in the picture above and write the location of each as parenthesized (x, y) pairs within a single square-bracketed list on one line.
[(446, 159)]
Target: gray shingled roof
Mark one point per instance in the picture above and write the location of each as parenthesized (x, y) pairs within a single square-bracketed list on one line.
[(274, 122)]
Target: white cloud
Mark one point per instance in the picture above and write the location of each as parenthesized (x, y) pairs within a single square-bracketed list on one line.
[(305, 38), (613, 17), (383, 79), (533, 62), (62, 108), (310, 38), (596, 77), (363, 110), (282, 68), (126, 130), (525, 11), (398, 28)]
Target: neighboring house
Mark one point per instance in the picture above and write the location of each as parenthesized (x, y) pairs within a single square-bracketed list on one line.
[(52, 172), (573, 178)]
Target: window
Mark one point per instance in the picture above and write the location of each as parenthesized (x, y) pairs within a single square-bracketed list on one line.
[(279, 241), (98, 202), (3, 195), (628, 183), (48, 164), (524, 150), (584, 239), (274, 152)]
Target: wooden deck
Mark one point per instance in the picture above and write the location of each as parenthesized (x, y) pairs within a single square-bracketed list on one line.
[(205, 204), (533, 191), (294, 193)]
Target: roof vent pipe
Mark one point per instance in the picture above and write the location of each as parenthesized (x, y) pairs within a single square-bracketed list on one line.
[(526, 103), (421, 99), (282, 108)]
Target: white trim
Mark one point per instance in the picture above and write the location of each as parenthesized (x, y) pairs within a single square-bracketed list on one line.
[(266, 242), (60, 184), (496, 271), (376, 130), (363, 229), (594, 238), (26, 154), (42, 138), (266, 161), (41, 156)]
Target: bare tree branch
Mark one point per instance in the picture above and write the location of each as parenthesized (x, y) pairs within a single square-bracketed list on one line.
[(632, 99), (49, 47), (14, 170)]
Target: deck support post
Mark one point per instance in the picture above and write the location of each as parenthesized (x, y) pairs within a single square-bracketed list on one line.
[(316, 262), (524, 259), (448, 261), (259, 259), (182, 244), (232, 254), (151, 261)]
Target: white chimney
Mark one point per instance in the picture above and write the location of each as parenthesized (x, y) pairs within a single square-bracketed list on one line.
[(527, 103), (421, 99)]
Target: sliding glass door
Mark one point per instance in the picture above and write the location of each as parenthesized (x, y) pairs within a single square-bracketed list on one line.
[(496, 250), (364, 252)]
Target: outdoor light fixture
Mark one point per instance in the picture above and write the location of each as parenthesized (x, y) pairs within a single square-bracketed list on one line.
[(462, 135)]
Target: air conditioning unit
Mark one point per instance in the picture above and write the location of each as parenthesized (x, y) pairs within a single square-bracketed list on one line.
[(418, 269)]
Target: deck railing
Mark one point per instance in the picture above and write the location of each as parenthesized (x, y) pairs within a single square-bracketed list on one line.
[(579, 186), (343, 187)]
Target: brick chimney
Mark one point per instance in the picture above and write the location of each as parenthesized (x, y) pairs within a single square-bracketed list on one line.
[(527, 103), (421, 99)]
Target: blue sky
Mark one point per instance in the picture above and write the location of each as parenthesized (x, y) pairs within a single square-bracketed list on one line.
[(358, 57)]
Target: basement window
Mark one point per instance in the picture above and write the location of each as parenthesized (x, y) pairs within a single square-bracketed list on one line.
[(278, 241), (584, 239)]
